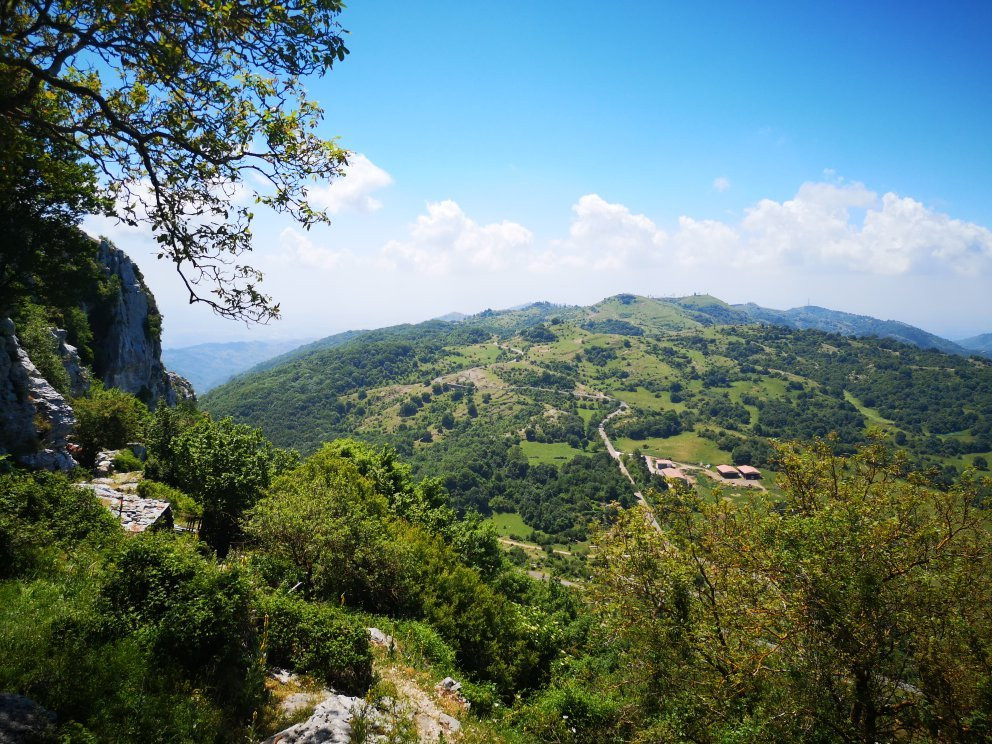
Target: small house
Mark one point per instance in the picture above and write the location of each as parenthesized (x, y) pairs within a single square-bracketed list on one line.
[(728, 471), (749, 472)]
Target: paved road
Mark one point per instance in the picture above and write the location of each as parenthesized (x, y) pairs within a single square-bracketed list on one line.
[(616, 455)]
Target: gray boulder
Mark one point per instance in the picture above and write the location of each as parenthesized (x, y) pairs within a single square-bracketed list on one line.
[(23, 720), (79, 379), (333, 722)]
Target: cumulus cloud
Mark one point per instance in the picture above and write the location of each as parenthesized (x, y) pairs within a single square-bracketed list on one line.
[(849, 226), (834, 226), (603, 236), (446, 238), (721, 183), (351, 192)]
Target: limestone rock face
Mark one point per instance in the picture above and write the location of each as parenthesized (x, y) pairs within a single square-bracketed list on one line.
[(35, 420), (127, 347), (79, 379), (331, 722)]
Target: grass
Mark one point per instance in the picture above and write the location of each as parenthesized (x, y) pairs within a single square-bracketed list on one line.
[(556, 453), (479, 354), (872, 416), (510, 523), (587, 413), (686, 447), (645, 399)]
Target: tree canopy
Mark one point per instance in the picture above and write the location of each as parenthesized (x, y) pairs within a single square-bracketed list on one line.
[(183, 113)]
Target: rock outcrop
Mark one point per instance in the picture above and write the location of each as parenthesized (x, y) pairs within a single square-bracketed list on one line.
[(23, 720), (79, 379), (35, 420), (127, 348)]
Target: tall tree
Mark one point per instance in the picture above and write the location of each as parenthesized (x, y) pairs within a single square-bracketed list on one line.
[(173, 105)]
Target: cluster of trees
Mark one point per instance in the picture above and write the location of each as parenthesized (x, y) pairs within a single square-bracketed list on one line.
[(117, 649), (646, 424), (855, 610)]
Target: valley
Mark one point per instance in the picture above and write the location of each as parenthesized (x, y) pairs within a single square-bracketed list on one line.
[(529, 390)]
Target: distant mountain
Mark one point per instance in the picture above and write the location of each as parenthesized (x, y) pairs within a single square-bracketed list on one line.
[(981, 343), (848, 324), (212, 364), (709, 310)]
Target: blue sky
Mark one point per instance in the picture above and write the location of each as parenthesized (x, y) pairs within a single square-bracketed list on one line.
[(771, 152)]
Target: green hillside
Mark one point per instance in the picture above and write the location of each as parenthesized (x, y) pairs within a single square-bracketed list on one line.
[(504, 406)]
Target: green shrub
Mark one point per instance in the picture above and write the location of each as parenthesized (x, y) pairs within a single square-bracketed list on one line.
[(571, 713), (108, 419), (181, 502), (197, 615), (482, 696), (419, 639), (318, 639), (103, 687), (126, 461), (35, 334), (42, 512)]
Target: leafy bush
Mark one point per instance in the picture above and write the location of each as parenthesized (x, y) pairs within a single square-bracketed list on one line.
[(225, 467), (571, 713), (126, 461), (318, 639), (42, 512), (419, 638), (108, 419), (197, 615)]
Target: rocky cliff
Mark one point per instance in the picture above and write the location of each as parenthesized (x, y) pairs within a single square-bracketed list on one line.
[(36, 421), (127, 349)]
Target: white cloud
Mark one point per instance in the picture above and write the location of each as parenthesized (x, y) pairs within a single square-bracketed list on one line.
[(721, 183), (895, 235), (351, 192), (299, 247), (603, 236), (446, 238)]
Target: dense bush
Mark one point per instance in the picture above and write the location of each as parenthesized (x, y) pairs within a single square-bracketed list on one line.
[(43, 512), (318, 639), (108, 419), (34, 332), (197, 616)]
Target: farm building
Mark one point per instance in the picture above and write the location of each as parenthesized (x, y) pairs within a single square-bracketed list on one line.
[(749, 472), (663, 464), (728, 471)]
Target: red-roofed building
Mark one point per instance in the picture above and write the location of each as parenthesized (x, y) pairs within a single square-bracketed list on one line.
[(749, 472), (728, 471)]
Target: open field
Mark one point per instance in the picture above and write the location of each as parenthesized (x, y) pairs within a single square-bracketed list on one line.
[(557, 453), (872, 417), (686, 447)]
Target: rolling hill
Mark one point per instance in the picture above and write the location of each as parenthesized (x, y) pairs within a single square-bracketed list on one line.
[(505, 405), (981, 343)]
